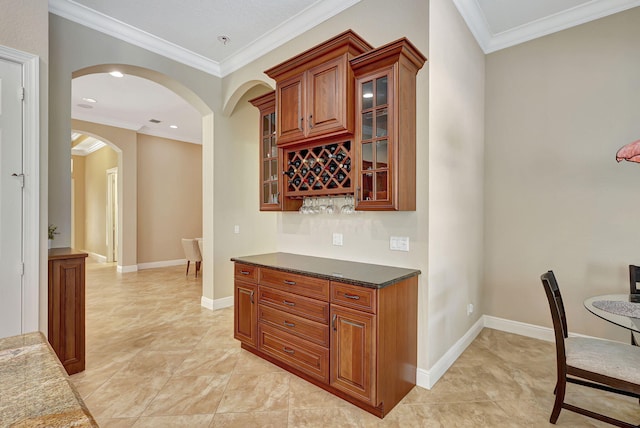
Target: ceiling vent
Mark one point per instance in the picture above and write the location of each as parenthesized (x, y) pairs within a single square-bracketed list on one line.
[(154, 121)]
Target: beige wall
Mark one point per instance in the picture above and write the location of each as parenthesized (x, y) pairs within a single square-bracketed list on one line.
[(558, 108), (169, 197), (95, 210), (78, 183), (456, 157)]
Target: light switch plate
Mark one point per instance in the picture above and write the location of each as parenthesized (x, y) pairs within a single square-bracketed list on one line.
[(337, 239), (236, 229), (399, 243)]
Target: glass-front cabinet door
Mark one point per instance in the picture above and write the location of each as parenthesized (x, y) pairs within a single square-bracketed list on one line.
[(374, 136), (269, 156)]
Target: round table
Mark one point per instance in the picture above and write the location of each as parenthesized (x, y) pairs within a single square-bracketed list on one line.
[(627, 322)]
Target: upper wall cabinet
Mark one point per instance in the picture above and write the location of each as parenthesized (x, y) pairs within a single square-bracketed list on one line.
[(385, 139), (315, 91)]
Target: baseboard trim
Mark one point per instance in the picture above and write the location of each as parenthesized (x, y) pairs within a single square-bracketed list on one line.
[(428, 378), (164, 263), (516, 327), (127, 269), (97, 257), (215, 304)]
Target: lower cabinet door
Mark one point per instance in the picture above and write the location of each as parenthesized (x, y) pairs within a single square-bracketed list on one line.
[(298, 353), (353, 353), (245, 316)]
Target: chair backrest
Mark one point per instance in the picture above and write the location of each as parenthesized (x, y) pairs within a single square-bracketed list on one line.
[(200, 246), (191, 250), (634, 279), (557, 315)]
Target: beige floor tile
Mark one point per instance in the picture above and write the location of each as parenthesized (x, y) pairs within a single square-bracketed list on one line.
[(256, 393), (189, 395), (190, 421), (252, 419)]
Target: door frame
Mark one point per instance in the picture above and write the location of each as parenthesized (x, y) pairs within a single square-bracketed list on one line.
[(33, 241), (112, 220)]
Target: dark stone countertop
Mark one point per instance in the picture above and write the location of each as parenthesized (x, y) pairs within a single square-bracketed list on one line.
[(355, 273)]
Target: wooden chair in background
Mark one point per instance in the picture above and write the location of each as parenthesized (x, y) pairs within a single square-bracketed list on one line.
[(600, 364)]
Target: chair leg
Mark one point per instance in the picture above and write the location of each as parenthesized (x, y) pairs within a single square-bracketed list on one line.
[(561, 387), (188, 262), (197, 268)]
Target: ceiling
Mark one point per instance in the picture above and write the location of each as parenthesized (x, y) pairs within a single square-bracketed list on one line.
[(253, 27)]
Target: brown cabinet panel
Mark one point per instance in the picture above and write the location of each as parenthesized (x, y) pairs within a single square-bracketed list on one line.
[(297, 284), (298, 326), (301, 354), (66, 306), (327, 103), (245, 273), (361, 298), (311, 309), (245, 316), (290, 101)]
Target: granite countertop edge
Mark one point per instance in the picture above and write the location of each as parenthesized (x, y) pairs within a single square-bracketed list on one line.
[(342, 279)]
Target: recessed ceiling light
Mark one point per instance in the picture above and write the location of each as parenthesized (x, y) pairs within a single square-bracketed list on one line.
[(224, 39), (85, 106), (90, 100), (173, 126), (116, 74)]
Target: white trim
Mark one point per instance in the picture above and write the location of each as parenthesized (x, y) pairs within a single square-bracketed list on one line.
[(288, 30), (33, 239), (428, 378), (215, 304), (490, 42), (97, 257), (85, 151), (516, 327), (83, 15), (127, 269), (165, 263)]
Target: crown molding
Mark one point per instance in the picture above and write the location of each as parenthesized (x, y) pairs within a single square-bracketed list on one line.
[(83, 15), (489, 42), (288, 30), (85, 151)]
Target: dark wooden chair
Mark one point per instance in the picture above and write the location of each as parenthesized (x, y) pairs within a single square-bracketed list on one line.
[(634, 279), (600, 364)]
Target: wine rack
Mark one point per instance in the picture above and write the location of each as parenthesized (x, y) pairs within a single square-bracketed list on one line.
[(319, 170)]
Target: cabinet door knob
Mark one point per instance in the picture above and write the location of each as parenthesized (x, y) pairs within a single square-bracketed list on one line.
[(310, 121), (251, 296), (351, 296), (288, 351), (333, 322), (286, 281), (289, 324), (301, 121), (288, 303), (244, 272)]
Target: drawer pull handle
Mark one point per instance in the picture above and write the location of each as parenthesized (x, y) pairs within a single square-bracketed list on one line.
[(286, 281), (289, 324), (245, 272), (333, 322), (288, 351), (251, 296), (351, 296), (288, 303)]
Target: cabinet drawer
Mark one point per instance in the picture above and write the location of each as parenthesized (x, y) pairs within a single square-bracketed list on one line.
[(303, 306), (298, 326), (245, 272), (305, 356), (352, 296), (297, 284)]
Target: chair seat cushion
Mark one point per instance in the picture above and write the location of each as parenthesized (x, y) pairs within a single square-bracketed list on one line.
[(613, 359)]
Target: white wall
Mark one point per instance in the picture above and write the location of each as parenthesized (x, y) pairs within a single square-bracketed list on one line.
[(558, 109)]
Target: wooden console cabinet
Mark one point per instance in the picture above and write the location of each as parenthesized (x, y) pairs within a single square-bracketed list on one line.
[(66, 329), (349, 328)]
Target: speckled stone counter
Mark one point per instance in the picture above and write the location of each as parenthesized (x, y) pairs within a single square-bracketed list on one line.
[(362, 274), (35, 390)]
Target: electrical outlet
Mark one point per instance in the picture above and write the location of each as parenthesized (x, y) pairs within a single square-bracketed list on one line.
[(236, 229), (469, 309), (399, 243), (337, 239)]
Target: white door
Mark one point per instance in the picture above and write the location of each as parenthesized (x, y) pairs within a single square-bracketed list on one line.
[(11, 182), (112, 215)]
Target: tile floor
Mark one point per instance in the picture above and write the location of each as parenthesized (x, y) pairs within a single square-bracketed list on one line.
[(156, 358)]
